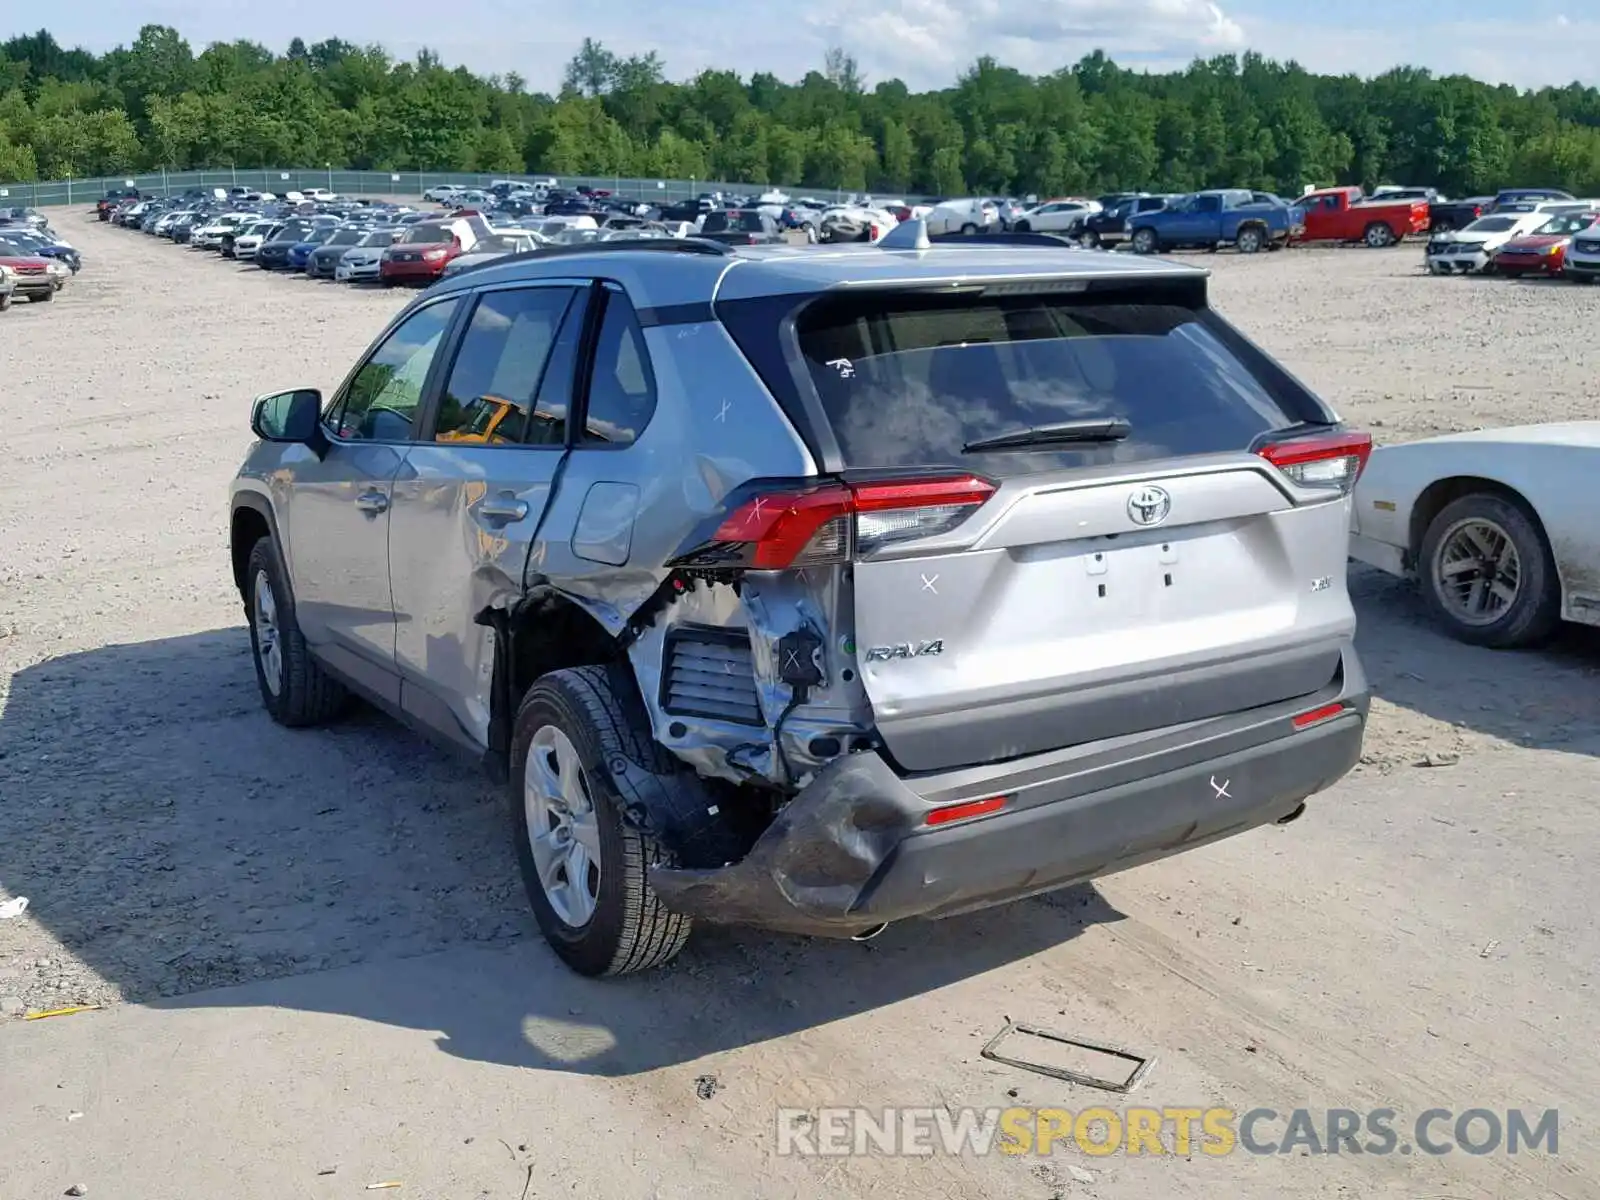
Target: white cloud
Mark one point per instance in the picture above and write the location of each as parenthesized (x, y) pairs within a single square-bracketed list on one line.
[(928, 42)]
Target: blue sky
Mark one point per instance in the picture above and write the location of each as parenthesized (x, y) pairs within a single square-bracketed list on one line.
[(924, 42)]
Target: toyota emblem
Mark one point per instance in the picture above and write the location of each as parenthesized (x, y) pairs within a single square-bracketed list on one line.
[(1149, 505)]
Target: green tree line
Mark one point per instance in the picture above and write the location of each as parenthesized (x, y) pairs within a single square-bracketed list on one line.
[(1240, 121)]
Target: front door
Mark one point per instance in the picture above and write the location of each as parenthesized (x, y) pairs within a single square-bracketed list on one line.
[(469, 498), (339, 505)]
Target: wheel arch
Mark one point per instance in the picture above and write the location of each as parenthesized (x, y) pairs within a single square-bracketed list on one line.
[(1432, 499), (251, 520), (543, 632)]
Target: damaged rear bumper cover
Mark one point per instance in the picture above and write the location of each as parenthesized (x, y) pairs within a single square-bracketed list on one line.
[(853, 849)]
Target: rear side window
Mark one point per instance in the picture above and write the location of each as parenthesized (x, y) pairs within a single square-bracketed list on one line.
[(908, 380)]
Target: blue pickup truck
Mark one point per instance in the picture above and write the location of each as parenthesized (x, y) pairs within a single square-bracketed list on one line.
[(1249, 221)]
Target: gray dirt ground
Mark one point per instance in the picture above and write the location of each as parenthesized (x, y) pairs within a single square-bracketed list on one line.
[(315, 953)]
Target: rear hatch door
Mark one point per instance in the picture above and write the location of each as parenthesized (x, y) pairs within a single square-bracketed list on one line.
[(1155, 573)]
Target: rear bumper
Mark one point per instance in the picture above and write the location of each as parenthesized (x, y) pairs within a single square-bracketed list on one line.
[(853, 850)]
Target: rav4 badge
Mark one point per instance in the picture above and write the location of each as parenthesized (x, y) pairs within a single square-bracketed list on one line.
[(905, 650)]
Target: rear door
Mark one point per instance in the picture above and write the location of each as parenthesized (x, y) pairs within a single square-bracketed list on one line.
[(1100, 591), (469, 499)]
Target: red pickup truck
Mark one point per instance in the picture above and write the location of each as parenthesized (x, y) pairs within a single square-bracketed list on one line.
[(1345, 214)]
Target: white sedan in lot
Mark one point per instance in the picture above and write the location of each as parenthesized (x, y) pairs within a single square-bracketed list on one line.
[(1496, 526)]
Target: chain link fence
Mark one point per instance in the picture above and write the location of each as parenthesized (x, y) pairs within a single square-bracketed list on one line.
[(408, 184)]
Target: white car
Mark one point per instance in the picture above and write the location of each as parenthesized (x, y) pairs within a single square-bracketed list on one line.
[(247, 243), (1472, 247), (442, 193), (1495, 525), (962, 216), (1582, 260), (363, 260), (209, 236), (497, 245), (1056, 216)]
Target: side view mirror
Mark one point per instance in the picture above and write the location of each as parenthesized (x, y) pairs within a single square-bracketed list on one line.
[(289, 417)]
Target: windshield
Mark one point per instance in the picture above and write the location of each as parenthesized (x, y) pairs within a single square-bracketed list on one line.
[(428, 234), (500, 242), (378, 237), (1491, 225), (317, 236), (908, 380), (345, 237), (1568, 223)]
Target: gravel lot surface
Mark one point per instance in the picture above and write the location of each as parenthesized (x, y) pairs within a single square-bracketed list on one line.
[(1422, 938)]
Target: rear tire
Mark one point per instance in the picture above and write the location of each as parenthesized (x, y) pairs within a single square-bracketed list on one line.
[(295, 690), (968, 229), (1249, 240), (1378, 236), (609, 922), (1023, 227), (1463, 529)]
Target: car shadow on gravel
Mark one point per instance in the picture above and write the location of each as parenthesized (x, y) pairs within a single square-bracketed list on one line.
[(185, 851), (1547, 699)]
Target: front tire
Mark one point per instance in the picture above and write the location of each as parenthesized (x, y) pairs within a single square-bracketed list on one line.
[(295, 690), (1488, 573), (1023, 227), (968, 229), (580, 754), (1144, 241)]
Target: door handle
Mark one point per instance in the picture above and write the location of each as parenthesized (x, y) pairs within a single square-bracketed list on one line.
[(372, 503), (504, 509)]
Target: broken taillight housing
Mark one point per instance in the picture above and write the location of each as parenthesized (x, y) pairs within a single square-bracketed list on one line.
[(1329, 461), (783, 527)]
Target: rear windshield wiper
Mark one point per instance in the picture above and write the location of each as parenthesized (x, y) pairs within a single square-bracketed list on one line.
[(1085, 432)]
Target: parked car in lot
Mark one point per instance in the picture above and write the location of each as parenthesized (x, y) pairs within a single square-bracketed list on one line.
[(46, 246), (300, 252), (113, 197), (1109, 226), (33, 278), (743, 227), (1447, 215), (1344, 214), (273, 254), (1472, 248), (1206, 220), (1543, 251), (249, 241), (424, 249), (1494, 526), (1056, 216), (1581, 262), (689, 704), (361, 262), (969, 215), (497, 245), (323, 261), (8, 286)]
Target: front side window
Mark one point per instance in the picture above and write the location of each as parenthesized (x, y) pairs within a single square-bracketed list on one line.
[(380, 405), (495, 394)]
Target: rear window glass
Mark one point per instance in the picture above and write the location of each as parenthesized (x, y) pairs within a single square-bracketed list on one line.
[(912, 380)]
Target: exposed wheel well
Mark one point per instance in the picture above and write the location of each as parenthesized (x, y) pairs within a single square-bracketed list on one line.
[(1444, 491), (546, 632), (247, 528)]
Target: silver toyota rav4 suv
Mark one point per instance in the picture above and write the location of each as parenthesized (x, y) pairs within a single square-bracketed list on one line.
[(818, 588)]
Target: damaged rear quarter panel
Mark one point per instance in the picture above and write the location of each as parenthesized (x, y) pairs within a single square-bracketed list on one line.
[(714, 427)]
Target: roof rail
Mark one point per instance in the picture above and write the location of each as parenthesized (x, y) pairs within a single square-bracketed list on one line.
[(658, 245), (1009, 238)]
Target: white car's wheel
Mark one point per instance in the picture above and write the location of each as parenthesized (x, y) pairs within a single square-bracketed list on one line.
[(1488, 572)]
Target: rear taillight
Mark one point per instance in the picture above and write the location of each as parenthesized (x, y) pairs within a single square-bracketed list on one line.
[(1331, 462), (781, 528)]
